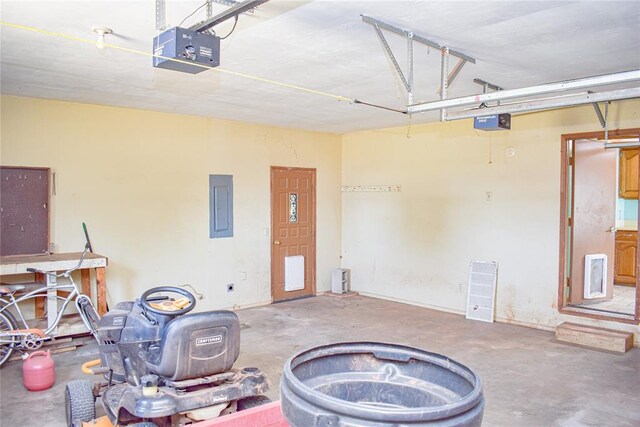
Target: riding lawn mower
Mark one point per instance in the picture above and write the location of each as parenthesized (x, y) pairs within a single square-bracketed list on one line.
[(163, 366)]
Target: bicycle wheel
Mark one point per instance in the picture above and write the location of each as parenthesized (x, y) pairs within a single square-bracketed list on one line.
[(7, 324)]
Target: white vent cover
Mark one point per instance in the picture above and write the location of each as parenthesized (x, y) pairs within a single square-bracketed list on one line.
[(293, 273), (595, 276), (482, 290)]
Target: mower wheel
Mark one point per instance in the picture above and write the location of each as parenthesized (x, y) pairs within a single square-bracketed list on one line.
[(252, 402), (79, 402)]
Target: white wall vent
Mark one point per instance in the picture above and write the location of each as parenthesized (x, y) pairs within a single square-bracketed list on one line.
[(293, 273), (595, 276), (482, 290)]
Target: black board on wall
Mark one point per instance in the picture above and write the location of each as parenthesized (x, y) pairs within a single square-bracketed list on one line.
[(24, 210)]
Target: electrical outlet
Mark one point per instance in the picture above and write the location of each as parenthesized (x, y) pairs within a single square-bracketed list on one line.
[(230, 287), (489, 196)]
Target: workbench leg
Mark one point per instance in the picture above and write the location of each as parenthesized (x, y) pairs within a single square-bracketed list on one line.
[(52, 303), (101, 284), (39, 302), (85, 279)]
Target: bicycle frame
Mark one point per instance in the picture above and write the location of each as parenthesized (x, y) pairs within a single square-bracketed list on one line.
[(41, 292)]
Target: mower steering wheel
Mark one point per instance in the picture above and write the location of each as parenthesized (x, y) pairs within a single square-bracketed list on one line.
[(185, 293)]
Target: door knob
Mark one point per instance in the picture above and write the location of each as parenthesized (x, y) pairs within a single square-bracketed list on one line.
[(612, 229), (277, 242)]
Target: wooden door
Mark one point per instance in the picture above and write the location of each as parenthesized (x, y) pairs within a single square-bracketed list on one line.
[(593, 218), (293, 224)]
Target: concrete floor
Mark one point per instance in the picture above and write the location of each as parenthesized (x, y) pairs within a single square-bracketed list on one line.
[(529, 380)]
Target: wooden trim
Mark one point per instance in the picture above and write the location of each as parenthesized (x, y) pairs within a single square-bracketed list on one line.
[(33, 168), (637, 261), (564, 162), (563, 222), (286, 168), (615, 133), (580, 313)]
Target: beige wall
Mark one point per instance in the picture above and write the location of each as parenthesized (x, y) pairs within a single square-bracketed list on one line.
[(416, 245), (139, 180)]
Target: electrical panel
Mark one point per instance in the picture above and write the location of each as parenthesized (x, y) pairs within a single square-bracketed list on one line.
[(176, 47), (493, 122)]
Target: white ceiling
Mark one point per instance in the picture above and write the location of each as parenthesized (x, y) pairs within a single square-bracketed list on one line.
[(320, 45)]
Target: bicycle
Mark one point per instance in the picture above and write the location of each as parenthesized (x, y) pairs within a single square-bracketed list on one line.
[(27, 338)]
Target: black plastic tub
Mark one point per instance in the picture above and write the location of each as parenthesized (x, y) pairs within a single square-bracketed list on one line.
[(376, 384)]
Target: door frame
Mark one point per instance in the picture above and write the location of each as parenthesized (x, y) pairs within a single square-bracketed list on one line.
[(564, 168), (313, 260)]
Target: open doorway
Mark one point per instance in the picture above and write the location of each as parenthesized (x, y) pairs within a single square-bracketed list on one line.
[(599, 225)]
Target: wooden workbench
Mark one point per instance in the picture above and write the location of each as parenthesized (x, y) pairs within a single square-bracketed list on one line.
[(18, 264)]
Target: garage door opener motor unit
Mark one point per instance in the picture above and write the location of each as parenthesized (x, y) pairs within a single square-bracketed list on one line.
[(493, 122), (174, 48)]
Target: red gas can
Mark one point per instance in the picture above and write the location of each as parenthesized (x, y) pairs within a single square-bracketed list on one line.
[(38, 371)]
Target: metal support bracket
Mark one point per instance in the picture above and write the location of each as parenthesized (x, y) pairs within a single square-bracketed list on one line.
[(232, 12), (392, 57), (161, 15), (601, 119), (410, 68), (224, 2), (416, 37), (454, 73), (407, 80), (444, 72), (486, 85)]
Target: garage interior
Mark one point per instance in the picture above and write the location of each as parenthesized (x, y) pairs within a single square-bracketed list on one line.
[(390, 150)]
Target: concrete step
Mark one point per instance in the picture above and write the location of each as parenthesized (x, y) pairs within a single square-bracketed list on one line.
[(593, 337)]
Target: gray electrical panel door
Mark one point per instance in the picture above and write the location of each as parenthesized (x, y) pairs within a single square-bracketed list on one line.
[(220, 206)]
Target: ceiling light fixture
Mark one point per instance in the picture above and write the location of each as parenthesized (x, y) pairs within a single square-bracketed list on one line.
[(101, 32)]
